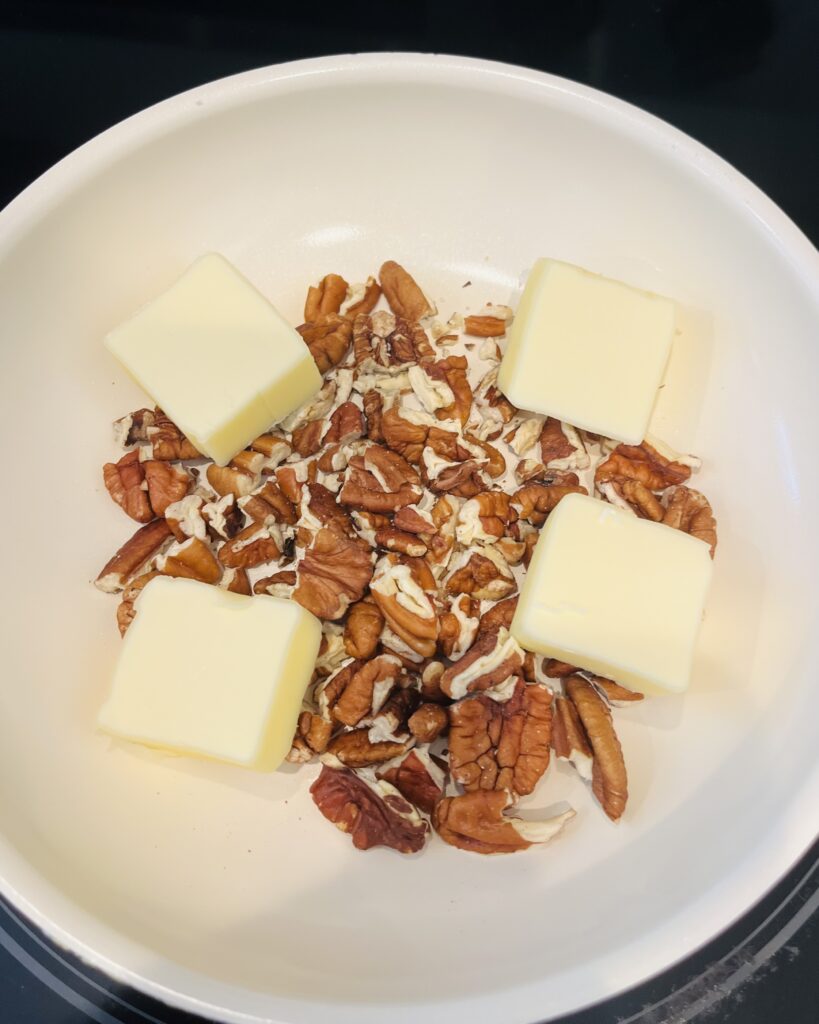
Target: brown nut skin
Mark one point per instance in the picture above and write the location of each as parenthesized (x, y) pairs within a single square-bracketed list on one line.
[(334, 572), (166, 484), (428, 722), (328, 338), (363, 628), (644, 464), (413, 781), (124, 482), (609, 778), (371, 820)]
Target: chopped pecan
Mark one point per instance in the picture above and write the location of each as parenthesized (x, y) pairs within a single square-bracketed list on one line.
[(501, 744), (319, 508), (534, 502), (484, 326), (402, 293), (428, 722), (458, 626), (452, 371), (126, 612), (193, 560), (331, 655), (312, 736), (409, 343), (334, 572), (363, 628), (526, 434), (495, 464), (413, 519), (441, 541), (124, 481), (355, 749), (609, 780), (327, 297), (257, 544), (307, 438), (500, 614), (370, 293), (367, 524), (185, 517), (642, 463), (292, 478), (374, 815), (373, 411), (569, 739), (484, 574), (405, 604), (512, 550), (476, 822), (328, 338), (274, 448), (379, 481), (403, 435), (483, 518), (463, 479), (361, 693), (431, 682), (280, 584), (490, 661), (561, 447), (133, 428), (391, 539), (236, 581), (558, 669), (224, 517), (346, 425), (690, 511), (417, 778), (238, 480), (391, 721), (635, 497), (147, 542), (614, 693), (166, 442), (166, 484), (268, 501)]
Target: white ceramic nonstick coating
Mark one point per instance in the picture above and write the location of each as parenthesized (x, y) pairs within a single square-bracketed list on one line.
[(225, 891)]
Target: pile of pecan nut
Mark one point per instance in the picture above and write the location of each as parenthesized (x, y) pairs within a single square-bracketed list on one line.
[(401, 505)]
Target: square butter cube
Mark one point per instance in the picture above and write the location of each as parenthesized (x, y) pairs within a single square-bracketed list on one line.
[(216, 356), (615, 594), (214, 674), (588, 350)]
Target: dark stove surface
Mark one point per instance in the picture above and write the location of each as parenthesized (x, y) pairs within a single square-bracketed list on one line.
[(742, 76)]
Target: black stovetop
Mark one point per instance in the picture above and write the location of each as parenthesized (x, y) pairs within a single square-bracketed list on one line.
[(742, 76)]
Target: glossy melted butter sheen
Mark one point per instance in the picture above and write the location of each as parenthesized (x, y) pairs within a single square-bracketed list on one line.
[(216, 356), (587, 350), (615, 594), (205, 672)]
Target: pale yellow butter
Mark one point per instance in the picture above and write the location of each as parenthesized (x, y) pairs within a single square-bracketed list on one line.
[(615, 594), (588, 350), (216, 356), (213, 674)]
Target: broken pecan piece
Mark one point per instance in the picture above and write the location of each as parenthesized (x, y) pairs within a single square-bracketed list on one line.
[(690, 511), (334, 572), (280, 584), (634, 496), (147, 542), (458, 626), (327, 297), (561, 447), (427, 723), (484, 574), (257, 544), (126, 611), (374, 815), (484, 326), (490, 661), (366, 689), (476, 822), (609, 779), (346, 425), (328, 338), (369, 298), (124, 481), (307, 438), (569, 740), (363, 628), (166, 442), (373, 411), (355, 749), (405, 604), (533, 502), (402, 293), (642, 463), (192, 560), (166, 484), (417, 778), (312, 736)]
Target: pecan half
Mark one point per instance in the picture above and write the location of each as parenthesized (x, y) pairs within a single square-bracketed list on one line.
[(642, 463), (533, 502), (192, 560), (690, 511), (326, 297), (334, 572), (609, 779), (452, 371), (501, 744), (147, 542), (374, 815), (328, 337), (428, 722), (166, 484), (312, 736), (417, 778), (476, 822), (490, 661), (402, 293), (365, 690), (124, 482), (356, 750), (363, 628)]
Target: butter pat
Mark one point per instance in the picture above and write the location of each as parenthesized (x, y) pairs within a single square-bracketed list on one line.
[(205, 672), (615, 594), (216, 356), (588, 350)]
